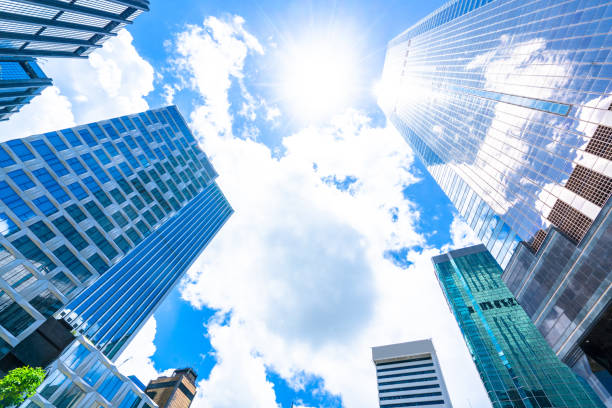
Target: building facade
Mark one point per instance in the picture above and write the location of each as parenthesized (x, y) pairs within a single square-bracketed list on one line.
[(83, 377), (176, 391), (507, 103), (93, 204), (20, 81), (409, 375), (516, 364), (52, 28)]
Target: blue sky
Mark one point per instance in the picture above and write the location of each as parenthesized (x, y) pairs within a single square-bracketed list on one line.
[(329, 250)]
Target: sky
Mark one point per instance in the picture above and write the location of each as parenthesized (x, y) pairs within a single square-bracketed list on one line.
[(329, 250)]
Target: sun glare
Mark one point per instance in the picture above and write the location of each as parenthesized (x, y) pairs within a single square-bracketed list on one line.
[(318, 78)]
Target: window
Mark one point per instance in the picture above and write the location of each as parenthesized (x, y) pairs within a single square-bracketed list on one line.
[(125, 186), (130, 141), (5, 256), (71, 234), (98, 263), (95, 167), (109, 387), (5, 159), (23, 181), (144, 176), (32, 252), (158, 211), (123, 244), (51, 185), (46, 303), (97, 191), (72, 263), (71, 137), (53, 382), (128, 154), (76, 165), (63, 283), (56, 141), (118, 125), (41, 230), (142, 227), (99, 216), (111, 149), (7, 226), (137, 203), (103, 157), (88, 137), (95, 373), (10, 198), (120, 219), (69, 397), (97, 130), (130, 401), (111, 131), (77, 190), (101, 242), (47, 154), (128, 123), (119, 198), (76, 213), (133, 235), (131, 212), (12, 316), (125, 169), (19, 278), (150, 218), (20, 149), (45, 205)]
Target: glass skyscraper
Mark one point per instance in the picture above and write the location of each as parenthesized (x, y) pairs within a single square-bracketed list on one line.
[(51, 28), (21, 79), (507, 103), (517, 366), (120, 208)]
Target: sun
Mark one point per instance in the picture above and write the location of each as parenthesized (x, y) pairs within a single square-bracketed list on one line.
[(317, 77)]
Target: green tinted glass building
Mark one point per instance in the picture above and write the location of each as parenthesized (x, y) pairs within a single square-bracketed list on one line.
[(516, 364)]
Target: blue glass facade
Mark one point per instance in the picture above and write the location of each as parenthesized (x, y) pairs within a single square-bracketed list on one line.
[(81, 205), (20, 81), (516, 364), (507, 103)]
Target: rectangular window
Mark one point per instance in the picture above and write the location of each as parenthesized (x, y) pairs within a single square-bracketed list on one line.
[(76, 165), (96, 236), (103, 157), (97, 131), (138, 202), (119, 198), (77, 190), (5, 159), (19, 278), (128, 154), (71, 234), (12, 316), (88, 137), (33, 253), (56, 141), (95, 167), (111, 131), (142, 227), (5, 256), (125, 169), (41, 231), (133, 236), (98, 263), (7, 225), (52, 186), (120, 219), (118, 125), (99, 216), (158, 211), (46, 303), (150, 218), (97, 191), (20, 149), (63, 283), (72, 263), (142, 190), (123, 244), (10, 198), (47, 154), (55, 381), (131, 212), (23, 181), (128, 122), (109, 387), (71, 137), (76, 213), (112, 150), (95, 373), (45, 205)]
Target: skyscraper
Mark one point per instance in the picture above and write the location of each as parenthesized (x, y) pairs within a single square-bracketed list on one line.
[(124, 205), (409, 375), (517, 366), (509, 105), (52, 28), (176, 391), (20, 81)]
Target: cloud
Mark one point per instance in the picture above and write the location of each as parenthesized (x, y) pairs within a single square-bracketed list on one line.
[(136, 358), (462, 235), (113, 81), (300, 266)]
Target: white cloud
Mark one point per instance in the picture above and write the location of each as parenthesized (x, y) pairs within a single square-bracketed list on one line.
[(111, 82), (136, 358), (300, 264), (462, 235)]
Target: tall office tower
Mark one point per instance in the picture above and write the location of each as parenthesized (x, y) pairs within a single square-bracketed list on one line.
[(107, 216), (409, 375), (20, 81), (176, 391), (52, 28), (508, 104), (517, 366)]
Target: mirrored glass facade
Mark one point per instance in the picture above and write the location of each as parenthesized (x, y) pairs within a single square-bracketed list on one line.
[(54, 28), (82, 204), (83, 377), (516, 364), (507, 103), (20, 81)]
